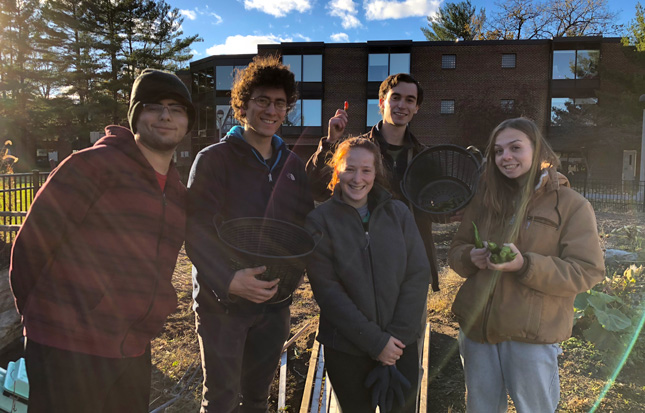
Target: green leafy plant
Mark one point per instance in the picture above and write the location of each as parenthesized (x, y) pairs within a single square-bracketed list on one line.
[(611, 314)]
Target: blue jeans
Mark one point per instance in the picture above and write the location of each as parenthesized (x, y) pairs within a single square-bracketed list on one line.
[(528, 372)]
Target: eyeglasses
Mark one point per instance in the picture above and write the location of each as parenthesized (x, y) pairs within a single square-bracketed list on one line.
[(264, 102), (173, 109)]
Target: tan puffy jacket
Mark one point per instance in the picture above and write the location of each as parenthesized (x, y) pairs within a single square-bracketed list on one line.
[(560, 243)]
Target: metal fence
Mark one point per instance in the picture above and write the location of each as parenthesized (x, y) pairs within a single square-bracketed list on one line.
[(17, 192), (612, 195)]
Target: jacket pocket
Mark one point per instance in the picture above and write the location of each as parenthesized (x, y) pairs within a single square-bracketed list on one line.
[(534, 315)]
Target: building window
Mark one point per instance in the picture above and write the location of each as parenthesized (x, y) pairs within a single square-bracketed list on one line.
[(447, 107), (305, 68), (306, 112), (572, 111), (507, 105), (448, 61), (381, 65), (203, 81), (226, 120), (224, 77), (508, 60), (373, 112), (575, 64)]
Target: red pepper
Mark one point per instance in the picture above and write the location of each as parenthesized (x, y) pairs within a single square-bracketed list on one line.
[(346, 106)]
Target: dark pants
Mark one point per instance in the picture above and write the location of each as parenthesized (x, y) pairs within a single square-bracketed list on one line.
[(348, 372), (240, 354), (63, 381)]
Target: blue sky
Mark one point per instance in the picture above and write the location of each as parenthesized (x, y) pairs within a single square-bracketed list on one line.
[(237, 26)]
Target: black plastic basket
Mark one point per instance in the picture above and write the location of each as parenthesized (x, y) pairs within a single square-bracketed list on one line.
[(280, 246), (441, 180)]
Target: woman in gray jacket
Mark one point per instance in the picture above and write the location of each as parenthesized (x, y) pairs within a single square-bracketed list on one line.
[(370, 277)]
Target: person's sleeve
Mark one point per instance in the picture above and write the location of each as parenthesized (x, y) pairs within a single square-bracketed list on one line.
[(319, 172), (424, 224), (580, 264), (462, 243), (413, 292), (203, 246), (333, 300), (60, 206)]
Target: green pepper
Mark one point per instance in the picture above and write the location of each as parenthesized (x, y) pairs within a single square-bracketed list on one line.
[(492, 247), (495, 259), (512, 256), (478, 240)]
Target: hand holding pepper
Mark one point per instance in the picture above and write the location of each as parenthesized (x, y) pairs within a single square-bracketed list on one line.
[(509, 251), (337, 124)]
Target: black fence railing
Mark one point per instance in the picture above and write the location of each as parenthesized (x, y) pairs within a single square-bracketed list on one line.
[(17, 192), (617, 196)]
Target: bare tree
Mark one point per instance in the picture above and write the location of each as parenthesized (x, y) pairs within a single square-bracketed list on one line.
[(535, 19), (518, 19)]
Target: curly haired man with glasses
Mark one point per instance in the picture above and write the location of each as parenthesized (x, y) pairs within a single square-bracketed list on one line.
[(250, 173)]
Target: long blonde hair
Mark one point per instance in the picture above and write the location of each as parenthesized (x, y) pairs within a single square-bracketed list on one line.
[(498, 190)]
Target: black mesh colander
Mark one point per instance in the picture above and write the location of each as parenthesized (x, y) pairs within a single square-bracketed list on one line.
[(280, 246), (441, 180)]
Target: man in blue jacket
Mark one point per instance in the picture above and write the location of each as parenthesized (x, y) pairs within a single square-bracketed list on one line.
[(250, 173)]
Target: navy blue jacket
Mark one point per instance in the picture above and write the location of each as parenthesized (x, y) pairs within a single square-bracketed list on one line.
[(232, 180)]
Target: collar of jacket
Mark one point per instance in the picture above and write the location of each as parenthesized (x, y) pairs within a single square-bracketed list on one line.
[(551, 180), (123, 140), (242, 148), (409, 140), (376, 196)]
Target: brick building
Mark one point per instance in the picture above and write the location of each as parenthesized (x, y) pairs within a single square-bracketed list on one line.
[(469, 87)]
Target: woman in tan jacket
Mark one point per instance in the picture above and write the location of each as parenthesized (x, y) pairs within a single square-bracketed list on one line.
[(513, 315)]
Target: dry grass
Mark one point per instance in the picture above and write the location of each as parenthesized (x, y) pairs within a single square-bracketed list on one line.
[(583, 370)]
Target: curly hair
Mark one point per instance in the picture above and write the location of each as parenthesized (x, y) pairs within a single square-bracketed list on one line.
[(267, 71), (343, 149)]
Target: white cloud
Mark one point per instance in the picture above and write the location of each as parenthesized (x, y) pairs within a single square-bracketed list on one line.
[(278, 8), (346, 10), (339, 37), (195, 53), (239, 44), (392, 9), (302, 37), (190, 14), (217, 17)]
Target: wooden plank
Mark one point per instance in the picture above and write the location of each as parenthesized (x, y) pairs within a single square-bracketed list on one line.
[(282, 387), (423, 395), (326, 392), (334, 407), (315, 401), (295, 336), (313, 361)]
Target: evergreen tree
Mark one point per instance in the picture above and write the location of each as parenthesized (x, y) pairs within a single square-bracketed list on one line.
[(455, 21)]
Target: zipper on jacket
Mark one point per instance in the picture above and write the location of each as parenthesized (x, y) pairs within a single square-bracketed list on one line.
[(541, 220), (369, 257), (156, 283)]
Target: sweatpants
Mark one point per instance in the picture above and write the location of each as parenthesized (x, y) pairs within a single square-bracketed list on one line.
[(348, 372), (63, 381), (528, 372), (240, 355)]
